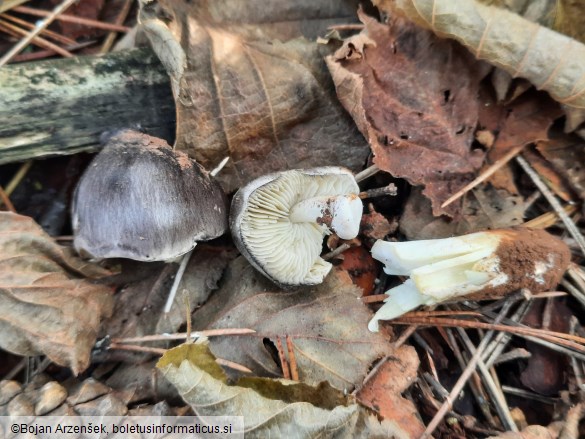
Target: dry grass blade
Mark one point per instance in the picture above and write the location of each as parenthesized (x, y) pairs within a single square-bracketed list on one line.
[(548, 219)]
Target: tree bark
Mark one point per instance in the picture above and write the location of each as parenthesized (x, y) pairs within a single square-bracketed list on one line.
[(64, 106)]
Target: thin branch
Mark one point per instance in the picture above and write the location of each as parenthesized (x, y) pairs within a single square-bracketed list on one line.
[(292, 359), (73, 19), (512, 355), (528, 395), (367, 173), (33, 33), (6, 200), (20, 174), (111, 38), (447, 405), (556, 205), (16, 31), (495, 392), (404, 336), (567, 340), (374, 298), (379, 192), (183, 335), (232, 365), (339, 250), (48, 33), (497, 165), (137, 348)]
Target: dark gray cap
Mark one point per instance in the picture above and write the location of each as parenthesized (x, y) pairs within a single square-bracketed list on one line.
[(141, 200)]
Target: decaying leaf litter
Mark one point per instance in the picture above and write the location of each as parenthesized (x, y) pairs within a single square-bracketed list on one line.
[(468, 148)]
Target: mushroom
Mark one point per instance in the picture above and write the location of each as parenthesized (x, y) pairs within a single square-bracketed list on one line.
[(141, 200), (278, 221), (484, 264)]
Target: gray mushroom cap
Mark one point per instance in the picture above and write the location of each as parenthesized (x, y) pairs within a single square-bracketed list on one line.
[(285, 249), (141, 200)]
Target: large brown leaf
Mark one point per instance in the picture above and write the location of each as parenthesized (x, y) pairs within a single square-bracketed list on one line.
[(267, 105), (47, 307), (327, 324), (551, 61), (270, 407), (268, 19), (414, 97)]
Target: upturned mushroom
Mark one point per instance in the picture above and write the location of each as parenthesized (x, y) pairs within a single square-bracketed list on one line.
[(141, 200), (278, 221), (479, 265)]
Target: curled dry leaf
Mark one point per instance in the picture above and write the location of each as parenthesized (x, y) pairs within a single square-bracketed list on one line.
[(567, 156), (270, 407), (551, 61), (526, 120), (269, 106), (327, 325), (414, 97), (382, 392), (46, 305)]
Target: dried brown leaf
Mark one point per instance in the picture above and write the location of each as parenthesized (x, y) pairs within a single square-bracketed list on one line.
[(551, 61), (327, 325), (267, 105), (567, 155), (382, 392), (46, 305), (525, 121), (483, 208), (139, 307), (362, 268), (282, 20), (414, 97), (549, 175)]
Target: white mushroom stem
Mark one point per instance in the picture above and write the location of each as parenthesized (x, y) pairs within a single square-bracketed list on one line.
[(175, 287), (341, 213), (439, 269)]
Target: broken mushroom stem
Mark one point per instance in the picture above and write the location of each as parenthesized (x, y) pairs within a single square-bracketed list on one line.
[(340, 214)]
